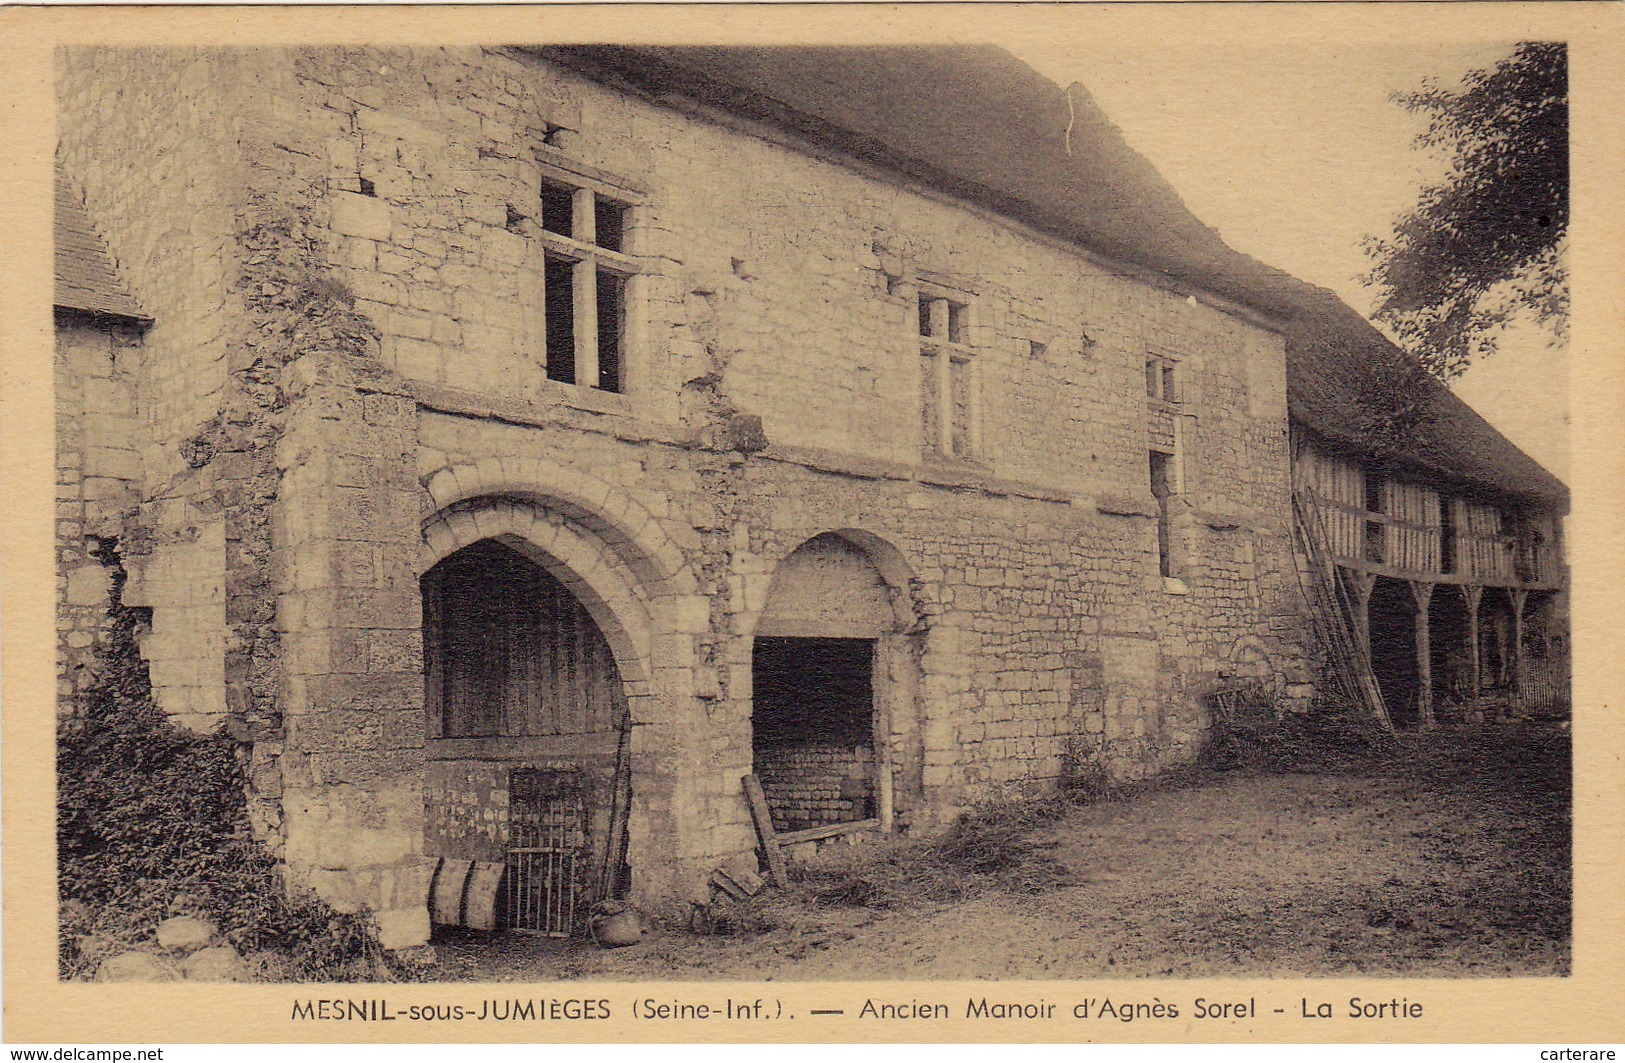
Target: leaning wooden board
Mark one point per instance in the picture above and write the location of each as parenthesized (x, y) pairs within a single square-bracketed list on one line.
[(763, 819)]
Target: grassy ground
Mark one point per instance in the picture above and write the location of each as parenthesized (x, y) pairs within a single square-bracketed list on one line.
[(1445, 854)]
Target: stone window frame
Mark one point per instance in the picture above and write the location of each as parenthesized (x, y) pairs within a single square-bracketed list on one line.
[(1163, 378), (587, 185), (934, 338)]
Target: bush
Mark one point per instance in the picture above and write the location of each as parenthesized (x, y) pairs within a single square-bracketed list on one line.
[(152, 821)]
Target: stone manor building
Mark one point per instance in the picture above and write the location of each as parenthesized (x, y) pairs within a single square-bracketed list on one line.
[(516, 448)]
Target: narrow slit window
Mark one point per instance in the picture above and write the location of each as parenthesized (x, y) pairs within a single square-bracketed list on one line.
[(948, 396)]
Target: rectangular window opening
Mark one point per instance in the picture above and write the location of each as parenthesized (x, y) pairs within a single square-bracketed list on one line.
[(558, 208), (956, 323), (925, 315), (559, 286), (1169, 392), (611, 328), (609, 223)]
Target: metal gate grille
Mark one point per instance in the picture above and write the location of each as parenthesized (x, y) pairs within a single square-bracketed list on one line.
[(547, 840)]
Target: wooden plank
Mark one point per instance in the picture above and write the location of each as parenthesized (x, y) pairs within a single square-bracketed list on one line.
[(777, 872), (728, 886), (448, 891), (829, 830), (743, 878), (480, 912)]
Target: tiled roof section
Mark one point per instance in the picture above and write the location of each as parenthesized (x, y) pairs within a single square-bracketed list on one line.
[(979, 124), (85, 277)]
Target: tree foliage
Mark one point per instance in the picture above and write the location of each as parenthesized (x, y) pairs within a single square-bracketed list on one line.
[(1487, 242)]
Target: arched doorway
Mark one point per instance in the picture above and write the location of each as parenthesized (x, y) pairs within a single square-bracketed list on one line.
[(833, 687), (526, 709)]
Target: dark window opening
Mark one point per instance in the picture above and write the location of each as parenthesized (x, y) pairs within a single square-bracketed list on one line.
[(1037, 349), (1153, 378), (559, 285), (609, 223), (1373, 490), (1169, 394), (956, 326), (1375, 549), (1161, 489), (813, 689), (558, 209), (611, 324)]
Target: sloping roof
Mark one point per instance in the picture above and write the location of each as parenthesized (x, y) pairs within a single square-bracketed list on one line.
[(86, 279), (979, 124)]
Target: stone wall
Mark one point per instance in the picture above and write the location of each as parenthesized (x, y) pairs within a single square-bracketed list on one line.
[(383, 383), (813, 784), (97, 486)]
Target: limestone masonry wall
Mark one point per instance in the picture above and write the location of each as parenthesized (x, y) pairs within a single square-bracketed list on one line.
[(372, 265)]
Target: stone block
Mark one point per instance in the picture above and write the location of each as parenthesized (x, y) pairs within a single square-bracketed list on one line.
[(88, 586), (363, 217), (218, 964), (136, 967), (403, 928)]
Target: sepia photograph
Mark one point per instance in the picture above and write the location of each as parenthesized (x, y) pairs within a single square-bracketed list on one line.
[(1021, 506)]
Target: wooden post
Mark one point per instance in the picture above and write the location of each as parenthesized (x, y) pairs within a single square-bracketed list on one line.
[(1422, 594), (1519, 598), (777, 872), (1362, 583), (1472, 595)]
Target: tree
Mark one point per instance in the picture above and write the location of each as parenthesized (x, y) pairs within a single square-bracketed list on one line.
[(1488, 242)]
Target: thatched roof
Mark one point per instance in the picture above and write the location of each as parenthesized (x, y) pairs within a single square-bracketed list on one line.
[(86, 279), (979, 124)]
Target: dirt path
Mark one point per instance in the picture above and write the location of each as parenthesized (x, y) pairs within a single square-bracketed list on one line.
[(1450, 860)]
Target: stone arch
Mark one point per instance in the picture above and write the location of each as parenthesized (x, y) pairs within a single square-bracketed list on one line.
[(1249, 658), (894, 570), (623, 524), (644, 604), (835, 680), (603, 583)]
